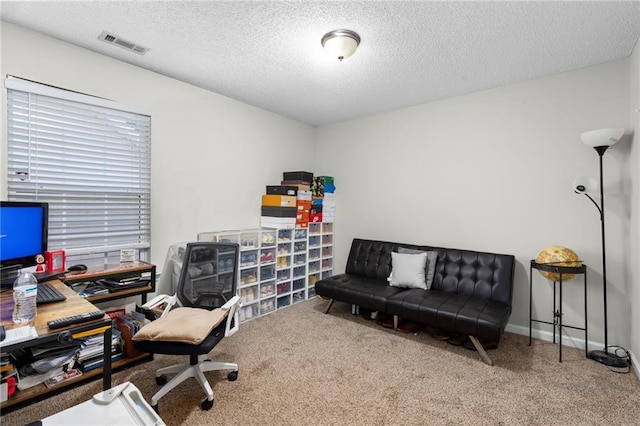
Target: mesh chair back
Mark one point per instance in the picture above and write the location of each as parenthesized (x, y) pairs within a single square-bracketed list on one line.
[(208, 277)]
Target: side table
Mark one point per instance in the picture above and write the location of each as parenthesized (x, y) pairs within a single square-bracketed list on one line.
[(557, 305)]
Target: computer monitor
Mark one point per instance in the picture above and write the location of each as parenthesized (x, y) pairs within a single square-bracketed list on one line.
[(23, 233)]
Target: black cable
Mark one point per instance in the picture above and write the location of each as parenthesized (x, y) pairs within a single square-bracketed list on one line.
[(626, 357)]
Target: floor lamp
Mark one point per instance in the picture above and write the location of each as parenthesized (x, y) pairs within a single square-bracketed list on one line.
[(601, 140)]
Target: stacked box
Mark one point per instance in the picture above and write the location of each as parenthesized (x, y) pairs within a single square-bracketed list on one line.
[(306, 177), (300, 199), (278, 211), (328, 200), (328, 208), (301, 180), (282, 190), (303, 206)]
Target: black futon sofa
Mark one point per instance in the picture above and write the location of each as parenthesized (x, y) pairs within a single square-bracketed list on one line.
[(471, 292)]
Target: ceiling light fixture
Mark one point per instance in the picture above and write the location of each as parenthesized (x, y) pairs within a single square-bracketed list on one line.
[(340, 43)]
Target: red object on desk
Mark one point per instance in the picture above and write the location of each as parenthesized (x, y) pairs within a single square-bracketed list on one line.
[(55, 260)]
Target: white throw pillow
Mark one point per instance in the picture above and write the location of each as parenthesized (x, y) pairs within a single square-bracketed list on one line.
[(432, 257), (407, 270)]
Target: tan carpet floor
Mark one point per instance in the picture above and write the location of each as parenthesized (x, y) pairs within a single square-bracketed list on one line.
[(300, 366)]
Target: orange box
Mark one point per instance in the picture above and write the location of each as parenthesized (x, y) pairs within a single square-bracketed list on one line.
[(304, 206), (302, 217), (279, 200), (302, 225)]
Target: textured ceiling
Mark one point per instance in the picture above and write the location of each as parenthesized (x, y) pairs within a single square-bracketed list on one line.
[(268, 54)]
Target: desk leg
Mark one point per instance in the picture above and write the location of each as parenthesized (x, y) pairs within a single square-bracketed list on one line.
[(560, 321), (106, 368)]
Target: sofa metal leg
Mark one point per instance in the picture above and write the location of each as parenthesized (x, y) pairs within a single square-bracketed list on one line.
[(329, 307), (395, 322), (481, 350)]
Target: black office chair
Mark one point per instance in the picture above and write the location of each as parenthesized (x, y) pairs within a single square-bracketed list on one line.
[(206, 274)]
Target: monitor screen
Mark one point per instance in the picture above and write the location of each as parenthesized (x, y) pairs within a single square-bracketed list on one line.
[(23, 232)]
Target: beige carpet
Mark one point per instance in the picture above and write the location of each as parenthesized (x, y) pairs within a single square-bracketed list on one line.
[(299, 366)]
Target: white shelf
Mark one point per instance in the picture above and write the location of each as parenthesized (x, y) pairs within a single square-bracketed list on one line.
[(280, 266)]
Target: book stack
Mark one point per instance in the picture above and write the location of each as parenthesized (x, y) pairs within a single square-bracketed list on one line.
[(91, 356), (37, 364)]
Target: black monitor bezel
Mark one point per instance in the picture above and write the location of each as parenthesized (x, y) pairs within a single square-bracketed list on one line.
[(28, 261)]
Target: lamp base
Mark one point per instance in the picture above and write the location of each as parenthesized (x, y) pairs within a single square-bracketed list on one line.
[(609, 359)]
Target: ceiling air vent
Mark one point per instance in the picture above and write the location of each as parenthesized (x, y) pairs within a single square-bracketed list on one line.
[(114, 39)]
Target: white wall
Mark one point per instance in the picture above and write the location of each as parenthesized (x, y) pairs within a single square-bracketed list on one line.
[(211, 156), (633, 286), (493, 171)]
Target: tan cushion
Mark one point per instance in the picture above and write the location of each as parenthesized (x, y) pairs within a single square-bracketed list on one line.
[(186, 325)]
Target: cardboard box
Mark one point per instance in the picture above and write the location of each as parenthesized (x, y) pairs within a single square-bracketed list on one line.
[(303, 206), (300, 176), (326, 180), (282, 190), (279, 200), (278, 211), (317, 187), (304, 195), (315, 217), (302, 186)]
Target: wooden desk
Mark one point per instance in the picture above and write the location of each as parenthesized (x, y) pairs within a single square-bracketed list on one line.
[(72, 306)]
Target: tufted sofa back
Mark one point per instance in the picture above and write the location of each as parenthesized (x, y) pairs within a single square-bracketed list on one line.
[(464, 272)]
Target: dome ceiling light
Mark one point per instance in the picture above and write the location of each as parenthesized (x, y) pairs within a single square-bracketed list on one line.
[(340, 44)]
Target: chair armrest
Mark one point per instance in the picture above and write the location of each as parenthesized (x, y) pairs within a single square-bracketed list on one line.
[(233, 317), (160, 300)]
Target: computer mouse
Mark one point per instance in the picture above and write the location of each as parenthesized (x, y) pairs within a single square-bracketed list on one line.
[(77, 268)]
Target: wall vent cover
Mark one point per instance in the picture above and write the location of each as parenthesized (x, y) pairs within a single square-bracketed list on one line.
[(110, 38)]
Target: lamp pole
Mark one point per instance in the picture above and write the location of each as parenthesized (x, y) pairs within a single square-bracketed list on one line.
[(604, 356)]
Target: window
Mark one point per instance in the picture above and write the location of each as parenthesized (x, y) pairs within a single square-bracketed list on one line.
[(90, 159)]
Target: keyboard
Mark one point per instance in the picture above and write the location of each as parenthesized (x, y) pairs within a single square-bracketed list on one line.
[(48, 294)]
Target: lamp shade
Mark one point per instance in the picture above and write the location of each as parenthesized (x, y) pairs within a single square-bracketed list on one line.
[(340, 44), (601, 137)]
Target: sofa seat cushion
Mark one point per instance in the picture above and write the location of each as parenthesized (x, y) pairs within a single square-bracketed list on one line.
[(369, 293), (455, 313)]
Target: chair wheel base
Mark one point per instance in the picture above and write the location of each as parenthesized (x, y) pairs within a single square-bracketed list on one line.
[(161, 380), (233, 376), (206, 404)]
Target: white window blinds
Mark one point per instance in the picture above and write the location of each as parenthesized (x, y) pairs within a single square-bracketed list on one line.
[(89, 158)]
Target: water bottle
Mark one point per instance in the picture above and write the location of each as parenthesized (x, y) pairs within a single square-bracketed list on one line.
[(25, 290)]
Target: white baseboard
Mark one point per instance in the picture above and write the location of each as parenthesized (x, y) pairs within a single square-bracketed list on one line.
[(570, 341)]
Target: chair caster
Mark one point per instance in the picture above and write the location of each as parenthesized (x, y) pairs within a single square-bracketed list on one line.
[(206, 404), (232, 376), (155, 408), (161, 380)]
